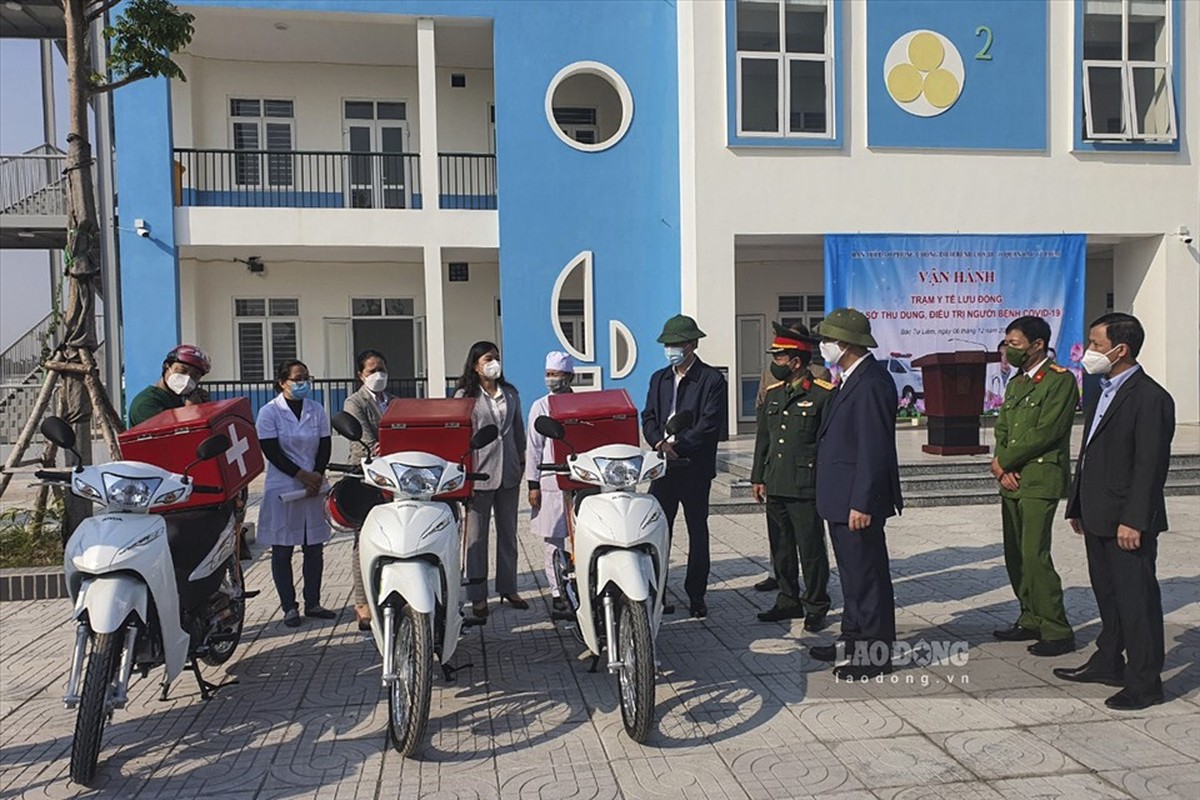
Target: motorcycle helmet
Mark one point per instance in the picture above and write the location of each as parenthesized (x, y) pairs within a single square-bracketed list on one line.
[(349, 502), (192, 356)]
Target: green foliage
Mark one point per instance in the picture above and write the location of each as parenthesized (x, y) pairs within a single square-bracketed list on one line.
[(142, 41), (24, 543)]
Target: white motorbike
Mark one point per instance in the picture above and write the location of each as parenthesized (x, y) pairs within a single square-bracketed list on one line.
[(149, 589), (615, 576), (410, 553)]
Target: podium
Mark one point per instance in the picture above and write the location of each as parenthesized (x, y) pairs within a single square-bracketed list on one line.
[(954, 388)]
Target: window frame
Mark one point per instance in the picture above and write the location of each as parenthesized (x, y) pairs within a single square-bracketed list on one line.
[(383, 301), (1085, 137), (261, 121), (265, 320), (831, 58)]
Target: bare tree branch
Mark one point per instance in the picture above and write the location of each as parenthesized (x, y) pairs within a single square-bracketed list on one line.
[(104, 7), (132, 77)]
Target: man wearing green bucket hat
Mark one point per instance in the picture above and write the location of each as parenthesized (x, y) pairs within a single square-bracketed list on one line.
[(858, 488), (687, 384)]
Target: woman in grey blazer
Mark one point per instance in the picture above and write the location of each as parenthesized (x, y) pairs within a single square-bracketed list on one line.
[(497, 403), (367, 406)]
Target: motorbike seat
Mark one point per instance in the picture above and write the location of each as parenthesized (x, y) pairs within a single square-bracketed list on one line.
[(193, 533)]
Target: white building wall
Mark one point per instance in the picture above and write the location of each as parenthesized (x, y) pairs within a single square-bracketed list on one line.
[(463, 112), (855, 189)]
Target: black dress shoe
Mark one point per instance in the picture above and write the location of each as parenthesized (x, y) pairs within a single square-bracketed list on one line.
[(317, 612), (767, 584), (559, 604), (824, 652), (516, 601), (777, 614), (668, 608), (699, 609), (815, 622), (1125, 700), (854, 672), (1088, 674), (1057, 647), (1015, 633)]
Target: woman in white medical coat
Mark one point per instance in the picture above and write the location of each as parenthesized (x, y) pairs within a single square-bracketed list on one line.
[(294, 434), (548, 513)]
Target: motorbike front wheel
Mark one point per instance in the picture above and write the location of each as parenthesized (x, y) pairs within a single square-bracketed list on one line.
[(635, 678), (93, 711), (409, 694)]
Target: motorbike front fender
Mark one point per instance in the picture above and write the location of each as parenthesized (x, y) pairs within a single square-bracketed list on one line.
[(631, 571), (110, 599), (418, 582)]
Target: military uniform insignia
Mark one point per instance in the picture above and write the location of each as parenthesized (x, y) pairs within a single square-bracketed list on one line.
[(774, 386), (1057, 368), (823, 384), (1041, 373), (805, 403)]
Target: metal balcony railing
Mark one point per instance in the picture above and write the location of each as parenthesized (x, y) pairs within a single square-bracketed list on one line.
[(329, 392), (468, 180), (296, 179), (22, 358), (33, 184)]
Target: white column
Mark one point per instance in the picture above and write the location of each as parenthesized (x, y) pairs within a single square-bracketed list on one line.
[(688, 267), (427, 108), (435, 323), (1156, 280)]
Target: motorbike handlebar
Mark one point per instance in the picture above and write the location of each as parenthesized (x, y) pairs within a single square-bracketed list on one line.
[(673, 463), (355, 469), (478, 476), (554, 468), (60, 476), (199, 489)]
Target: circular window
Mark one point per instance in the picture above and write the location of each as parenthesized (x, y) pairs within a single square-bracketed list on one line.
[(589, 106)]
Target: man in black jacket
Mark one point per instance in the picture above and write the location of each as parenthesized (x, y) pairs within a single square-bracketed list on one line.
[(858, 488), (1116, 503), (687, 384)]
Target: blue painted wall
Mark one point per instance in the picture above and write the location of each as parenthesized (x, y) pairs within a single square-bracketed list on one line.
[(1003, 101), (554, 201)]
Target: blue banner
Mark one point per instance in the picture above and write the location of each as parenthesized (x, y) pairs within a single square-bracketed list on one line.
[(936, 294)]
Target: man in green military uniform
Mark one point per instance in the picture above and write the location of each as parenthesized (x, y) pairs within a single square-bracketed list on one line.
[(1033, 465), (784, 476)]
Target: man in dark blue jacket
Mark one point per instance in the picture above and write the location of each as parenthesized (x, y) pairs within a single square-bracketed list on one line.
[(687, 384), (858, 488)]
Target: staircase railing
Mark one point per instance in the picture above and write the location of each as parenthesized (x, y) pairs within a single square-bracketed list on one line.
[(33, 182), (21, 359)]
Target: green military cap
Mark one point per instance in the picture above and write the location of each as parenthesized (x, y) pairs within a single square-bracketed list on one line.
[(847, 325), (680, 329)]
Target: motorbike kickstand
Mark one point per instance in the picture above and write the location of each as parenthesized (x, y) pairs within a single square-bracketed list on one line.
[(449, 672), (207, 689), (595, 664)]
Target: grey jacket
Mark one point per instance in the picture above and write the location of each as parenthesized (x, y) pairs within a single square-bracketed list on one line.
[(362, 406), (501, 459)]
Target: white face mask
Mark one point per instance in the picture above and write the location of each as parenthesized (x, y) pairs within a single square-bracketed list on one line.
[(831, 353), (674, 355), (557, 383), (181, 383), (492, 370), (376, 382), (1096, 363)]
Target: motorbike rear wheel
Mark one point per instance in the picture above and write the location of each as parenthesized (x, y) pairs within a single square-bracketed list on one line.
[(220, 652), (409, 694), (635, 678), (94, 711)]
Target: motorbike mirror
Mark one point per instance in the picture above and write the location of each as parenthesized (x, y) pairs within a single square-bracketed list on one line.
[(348, 426), (212, 447), (484, 436), (550, 428), (60, 432), (680, 422)]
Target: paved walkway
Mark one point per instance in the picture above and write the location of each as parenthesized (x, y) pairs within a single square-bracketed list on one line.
[(743, 712)]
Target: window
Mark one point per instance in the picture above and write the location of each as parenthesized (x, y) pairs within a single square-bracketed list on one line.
[(257, 126), (267, 335), (807, 310), (1128, 86), (589, 106), (460, 271), (784, 67), (382, 307)]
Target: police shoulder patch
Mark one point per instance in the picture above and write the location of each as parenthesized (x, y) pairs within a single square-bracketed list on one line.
[(823, 384), (1057, 368), (776, 385)]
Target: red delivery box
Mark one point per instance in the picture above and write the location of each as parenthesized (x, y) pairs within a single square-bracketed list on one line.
[(438, 426), (593, 419), (169, 440)]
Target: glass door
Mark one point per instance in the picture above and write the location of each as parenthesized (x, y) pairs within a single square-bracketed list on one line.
[(377, 139)]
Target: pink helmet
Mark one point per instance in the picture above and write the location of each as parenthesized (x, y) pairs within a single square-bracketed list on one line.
[(192, 356)]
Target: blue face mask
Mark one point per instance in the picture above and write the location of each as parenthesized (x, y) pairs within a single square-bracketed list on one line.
[(674, 355), (300, 389)]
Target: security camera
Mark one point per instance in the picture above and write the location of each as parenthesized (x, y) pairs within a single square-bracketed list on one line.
[(141, 228), (1184, 235)]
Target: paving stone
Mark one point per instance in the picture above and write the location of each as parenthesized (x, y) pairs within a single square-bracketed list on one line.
[(898, 761), (1182, 782)]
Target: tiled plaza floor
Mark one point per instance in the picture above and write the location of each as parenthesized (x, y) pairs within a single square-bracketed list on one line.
[(743, 712)]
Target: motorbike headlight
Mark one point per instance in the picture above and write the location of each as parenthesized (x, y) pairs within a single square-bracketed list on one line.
[(453, 484), (621, 472), (657, 471), (379, 479), (130, 493), (417, 480), (168, 498), (87, 490)]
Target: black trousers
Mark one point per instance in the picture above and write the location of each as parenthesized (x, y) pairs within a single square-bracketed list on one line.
[(683, 488), (285, 582), (869, 603), (797, 538), (1131, 613)]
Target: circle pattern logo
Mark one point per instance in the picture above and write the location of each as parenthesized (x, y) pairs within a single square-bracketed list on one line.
[(924, 73)]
